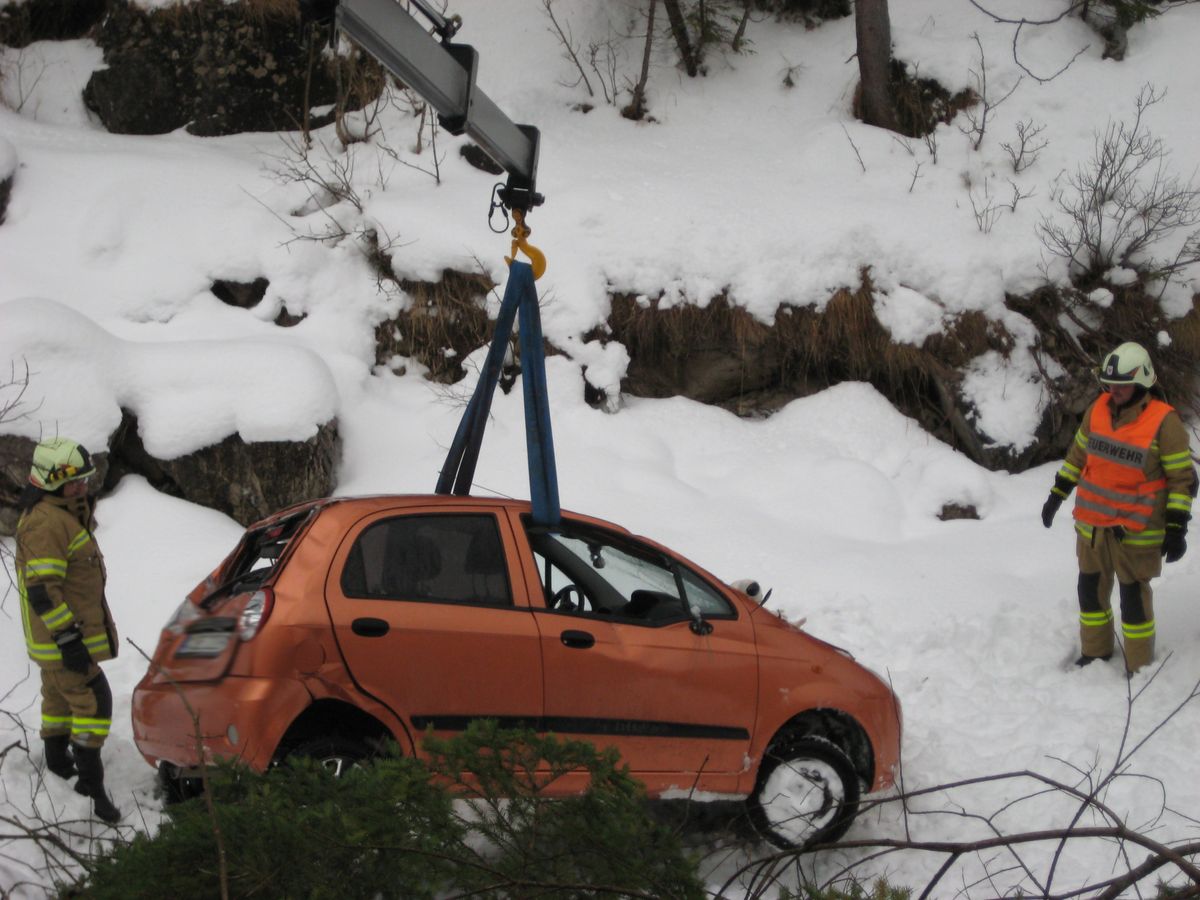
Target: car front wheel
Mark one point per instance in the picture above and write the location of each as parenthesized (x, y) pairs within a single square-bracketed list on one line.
[(807, 793)]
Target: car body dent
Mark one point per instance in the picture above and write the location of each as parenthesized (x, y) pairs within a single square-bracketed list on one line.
[(192, 727)]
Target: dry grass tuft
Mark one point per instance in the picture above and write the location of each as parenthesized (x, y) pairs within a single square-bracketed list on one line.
[(723, 355), (445, 321), (922, 103)]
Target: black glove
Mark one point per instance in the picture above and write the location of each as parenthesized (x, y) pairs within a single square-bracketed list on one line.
[(1050, 507), (74, 655), (1174, 545)]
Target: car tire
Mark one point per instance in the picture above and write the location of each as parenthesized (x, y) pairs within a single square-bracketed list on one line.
[(174, 787), (806, 793), (337, 755)]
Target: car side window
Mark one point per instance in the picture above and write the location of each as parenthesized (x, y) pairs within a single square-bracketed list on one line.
[(439, 559), (589, 572)]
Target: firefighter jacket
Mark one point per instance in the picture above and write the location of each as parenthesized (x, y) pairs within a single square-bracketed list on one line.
[(60, 577), (1130, 466)]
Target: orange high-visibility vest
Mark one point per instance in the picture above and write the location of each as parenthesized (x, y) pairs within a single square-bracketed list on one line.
[(1113, 488)]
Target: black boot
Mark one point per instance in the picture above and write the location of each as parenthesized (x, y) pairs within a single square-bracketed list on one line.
[(1088, 660), (91, 783), (58, 756)]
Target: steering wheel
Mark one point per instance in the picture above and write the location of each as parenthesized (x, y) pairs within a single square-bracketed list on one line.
[(562, 599)]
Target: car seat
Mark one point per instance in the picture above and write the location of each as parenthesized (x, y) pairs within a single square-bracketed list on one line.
[(485, 564), (411, 562)]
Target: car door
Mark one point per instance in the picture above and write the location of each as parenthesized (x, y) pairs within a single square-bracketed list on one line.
[(627, 664), (429, 621)]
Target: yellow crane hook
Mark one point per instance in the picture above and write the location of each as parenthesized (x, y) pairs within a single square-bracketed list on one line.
[(520, 234)]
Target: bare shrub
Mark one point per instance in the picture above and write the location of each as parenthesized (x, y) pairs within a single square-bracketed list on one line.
[(1122, 205), (1023, 152), (987, 206)]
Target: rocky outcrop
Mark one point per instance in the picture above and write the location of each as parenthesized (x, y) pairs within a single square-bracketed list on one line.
[(219, 69), (247, 481)]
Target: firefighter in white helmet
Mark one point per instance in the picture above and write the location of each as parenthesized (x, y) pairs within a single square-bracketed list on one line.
[(1132, 466), (68, 626)]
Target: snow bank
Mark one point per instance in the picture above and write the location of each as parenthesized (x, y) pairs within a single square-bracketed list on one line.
[(186, 395)]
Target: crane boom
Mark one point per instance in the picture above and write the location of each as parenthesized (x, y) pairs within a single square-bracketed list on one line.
[(443, 73)]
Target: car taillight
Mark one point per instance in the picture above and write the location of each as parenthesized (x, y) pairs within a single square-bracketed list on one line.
[(185, 613), (255, 613)]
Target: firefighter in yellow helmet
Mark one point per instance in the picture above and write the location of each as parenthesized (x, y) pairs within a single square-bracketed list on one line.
[(1133, 468), (68, 626)]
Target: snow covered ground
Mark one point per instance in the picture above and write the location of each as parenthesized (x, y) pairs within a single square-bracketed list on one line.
[(740, 184)]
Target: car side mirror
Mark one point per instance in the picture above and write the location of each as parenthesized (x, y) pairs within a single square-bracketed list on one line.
[(698, 625)]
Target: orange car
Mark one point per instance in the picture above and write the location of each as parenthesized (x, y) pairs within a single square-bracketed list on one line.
[(339, 624)]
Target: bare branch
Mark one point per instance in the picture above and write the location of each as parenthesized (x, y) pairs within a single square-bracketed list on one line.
[(978, 116), (854, 146), (567, 39)]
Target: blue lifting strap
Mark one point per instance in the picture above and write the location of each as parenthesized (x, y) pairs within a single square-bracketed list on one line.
[(459, 471)]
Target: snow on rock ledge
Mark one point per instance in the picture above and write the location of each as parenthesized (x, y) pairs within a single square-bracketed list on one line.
[(241, 426)]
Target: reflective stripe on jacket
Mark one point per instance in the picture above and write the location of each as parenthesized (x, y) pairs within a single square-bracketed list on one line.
[(60, 579), (1114, 485)]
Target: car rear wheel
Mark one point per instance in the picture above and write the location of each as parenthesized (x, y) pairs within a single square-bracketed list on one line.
[(174, 787), (337, 755), (807, 793)]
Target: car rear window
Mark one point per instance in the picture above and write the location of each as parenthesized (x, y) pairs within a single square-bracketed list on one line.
[(260, 554), (440, 559)]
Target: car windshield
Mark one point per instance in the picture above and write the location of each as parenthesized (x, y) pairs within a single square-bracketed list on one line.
[(592, 571)]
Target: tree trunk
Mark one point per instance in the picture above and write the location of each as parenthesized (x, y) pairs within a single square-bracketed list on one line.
[(637, 106), (679, 31), (873, 28)]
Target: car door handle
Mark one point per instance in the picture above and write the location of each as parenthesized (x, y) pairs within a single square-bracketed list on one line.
[(581, 640), (369, 627)]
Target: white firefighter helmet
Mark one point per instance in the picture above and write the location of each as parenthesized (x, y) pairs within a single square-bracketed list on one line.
[(57, 461), (1128, 364)]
